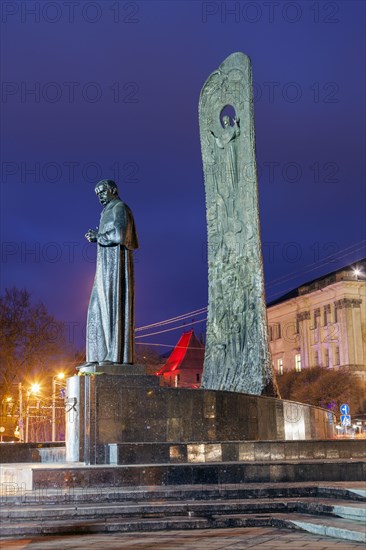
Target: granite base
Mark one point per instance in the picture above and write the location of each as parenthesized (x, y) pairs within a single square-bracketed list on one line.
[(79, 476), (104, 409)]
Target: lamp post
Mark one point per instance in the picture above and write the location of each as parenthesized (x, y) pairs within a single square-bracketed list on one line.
[(34, 389), (27, 421), (21, 429), (59, 376)]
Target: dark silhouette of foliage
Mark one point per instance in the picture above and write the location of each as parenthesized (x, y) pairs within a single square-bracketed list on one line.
[(327, 388)]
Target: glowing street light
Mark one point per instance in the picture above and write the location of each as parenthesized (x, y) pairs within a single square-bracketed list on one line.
[(35, 388), (357, 271)]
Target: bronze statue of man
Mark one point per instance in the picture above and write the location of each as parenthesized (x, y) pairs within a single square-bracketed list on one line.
[(110, 322)]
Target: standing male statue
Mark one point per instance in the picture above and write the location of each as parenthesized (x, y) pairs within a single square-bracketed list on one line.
[(110, 322)]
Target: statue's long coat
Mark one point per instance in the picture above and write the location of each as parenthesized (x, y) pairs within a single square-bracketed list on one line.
[(111, 308)]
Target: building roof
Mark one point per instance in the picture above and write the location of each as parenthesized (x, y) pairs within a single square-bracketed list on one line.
[(345, 273), (187, 354)]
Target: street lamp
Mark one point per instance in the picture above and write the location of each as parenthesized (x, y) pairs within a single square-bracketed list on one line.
[(21, 429), (60, 376), (34, 389)]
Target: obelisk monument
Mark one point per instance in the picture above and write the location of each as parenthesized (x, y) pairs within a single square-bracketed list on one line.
[(237, 354)]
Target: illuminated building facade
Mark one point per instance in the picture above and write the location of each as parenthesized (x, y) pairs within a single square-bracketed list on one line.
[(321, 323)]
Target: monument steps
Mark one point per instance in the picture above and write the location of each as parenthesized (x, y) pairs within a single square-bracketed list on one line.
[(347, 491), (331, 510), (152, 518), (92, 510)]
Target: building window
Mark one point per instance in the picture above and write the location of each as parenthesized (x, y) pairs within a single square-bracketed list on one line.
[(298, 362), (276, 331), (280, 365), (316, 358), (326, 311), (316, 318), (336, 356), (197, 377), (326, 357)]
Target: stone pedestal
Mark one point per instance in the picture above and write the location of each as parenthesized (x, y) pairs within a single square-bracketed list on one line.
[(112, 369), (104, 408)]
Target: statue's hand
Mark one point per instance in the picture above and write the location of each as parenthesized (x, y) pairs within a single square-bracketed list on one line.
[(91, 236)]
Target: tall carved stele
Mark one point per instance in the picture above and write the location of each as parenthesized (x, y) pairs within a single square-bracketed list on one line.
[(237, 354)]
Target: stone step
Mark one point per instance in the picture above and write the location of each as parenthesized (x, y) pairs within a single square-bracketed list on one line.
[(155, 508), (350, 512), (332, 527), (17, 494), (83, 526), (94, 510), (325, 526)]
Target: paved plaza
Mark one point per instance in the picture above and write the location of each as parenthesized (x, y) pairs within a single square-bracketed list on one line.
[(212, 539)]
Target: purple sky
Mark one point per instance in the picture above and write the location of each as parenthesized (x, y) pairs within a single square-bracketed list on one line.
[(116, 96)]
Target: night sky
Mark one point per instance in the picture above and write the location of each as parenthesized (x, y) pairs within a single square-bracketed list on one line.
[(115, 95)]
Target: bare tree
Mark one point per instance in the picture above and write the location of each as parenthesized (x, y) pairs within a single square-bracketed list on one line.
[(149, 357), (327, 388), (30, 338)]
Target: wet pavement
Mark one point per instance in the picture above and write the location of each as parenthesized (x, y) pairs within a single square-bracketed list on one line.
[(212, 539)]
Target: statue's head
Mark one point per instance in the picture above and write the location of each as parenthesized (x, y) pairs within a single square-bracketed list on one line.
[(226, 121), (106, 191)]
